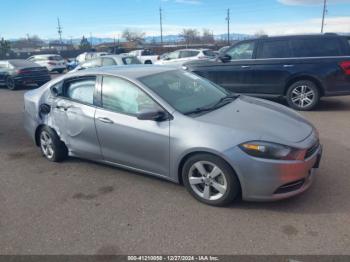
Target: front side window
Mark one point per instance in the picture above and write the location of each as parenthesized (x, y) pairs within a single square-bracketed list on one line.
[(108, 61), (275, 49), (124, 97), (209, 53), (184, 91), (81, 90), (242, 51), (173, 55)]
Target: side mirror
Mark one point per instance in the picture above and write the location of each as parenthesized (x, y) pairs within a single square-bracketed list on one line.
[(225, 58), (55, 91), (152, 114), (167, 58)]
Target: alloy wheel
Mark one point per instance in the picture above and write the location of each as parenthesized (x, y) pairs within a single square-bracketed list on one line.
[(207, 180), (46, 144), (302, 96), (10, 83)]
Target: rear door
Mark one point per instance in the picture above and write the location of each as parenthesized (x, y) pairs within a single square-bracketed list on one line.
[(74, 116), (272, 66)]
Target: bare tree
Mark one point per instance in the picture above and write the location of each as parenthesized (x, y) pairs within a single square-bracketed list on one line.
[(190, 36), (207, 36), (133, 36), (260, 33)]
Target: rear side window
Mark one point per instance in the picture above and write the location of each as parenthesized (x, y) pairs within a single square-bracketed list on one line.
[(316, 47), (274, 49), (147, 53), (81, 90), (184, 54)]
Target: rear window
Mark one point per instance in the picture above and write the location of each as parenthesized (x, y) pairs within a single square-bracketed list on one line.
[(209, 53), (147, 52), (130, 60), (274, 49), (316, 47), (55, 58)]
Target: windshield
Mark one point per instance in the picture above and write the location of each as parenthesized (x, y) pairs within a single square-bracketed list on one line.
[(184, 91)]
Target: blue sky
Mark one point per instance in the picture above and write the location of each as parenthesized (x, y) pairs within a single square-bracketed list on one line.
[(108, 18)]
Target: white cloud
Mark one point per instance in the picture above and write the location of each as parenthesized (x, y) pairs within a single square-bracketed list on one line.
[(190, 2), (333, 24), (310, 2)]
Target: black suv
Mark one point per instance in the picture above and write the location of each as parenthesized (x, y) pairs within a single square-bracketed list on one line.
[(301, 68)]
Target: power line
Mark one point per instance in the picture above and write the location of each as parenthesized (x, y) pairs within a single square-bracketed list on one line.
[(228, 26), (161, 25), (323, 14)]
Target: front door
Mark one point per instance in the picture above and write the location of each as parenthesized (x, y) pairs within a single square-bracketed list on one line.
[(126, 140), (74, 117)]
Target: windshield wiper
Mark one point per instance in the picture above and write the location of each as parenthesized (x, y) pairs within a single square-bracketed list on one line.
[(223, 101)]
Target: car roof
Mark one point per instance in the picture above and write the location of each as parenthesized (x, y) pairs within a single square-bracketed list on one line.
[(129, 71), (275, 37), (47, 55)]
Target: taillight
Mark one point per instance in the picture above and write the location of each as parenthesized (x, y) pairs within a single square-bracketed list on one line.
[(21, 71), (345, 65), (158, 57), (51, 63)]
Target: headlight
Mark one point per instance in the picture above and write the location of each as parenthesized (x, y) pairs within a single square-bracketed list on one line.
[(270, 150)]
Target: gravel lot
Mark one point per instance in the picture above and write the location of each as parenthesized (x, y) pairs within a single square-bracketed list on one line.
[(80, 207)]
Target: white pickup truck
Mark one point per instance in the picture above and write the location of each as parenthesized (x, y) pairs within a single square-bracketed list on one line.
[(145, 56)]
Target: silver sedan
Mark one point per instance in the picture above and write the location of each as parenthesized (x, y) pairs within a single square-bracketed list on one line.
[(175, 125)]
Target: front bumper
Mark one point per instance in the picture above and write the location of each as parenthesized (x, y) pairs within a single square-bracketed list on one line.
[(269, 180)]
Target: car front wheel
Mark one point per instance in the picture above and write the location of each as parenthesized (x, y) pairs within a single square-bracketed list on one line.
[(210, 180), (10, 83), (303, 95)]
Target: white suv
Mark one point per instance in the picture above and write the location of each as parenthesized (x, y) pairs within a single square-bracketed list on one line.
[(51, 62), (184, 55)]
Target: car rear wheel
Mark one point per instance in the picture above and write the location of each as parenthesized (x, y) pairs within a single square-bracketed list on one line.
[(10, 83), (210, 180), (303, 95), (51, 146)]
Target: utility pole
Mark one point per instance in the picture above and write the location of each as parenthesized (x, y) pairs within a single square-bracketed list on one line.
[(228, 26), (90, 39), (161, 25), (323, 14), (59, 30)]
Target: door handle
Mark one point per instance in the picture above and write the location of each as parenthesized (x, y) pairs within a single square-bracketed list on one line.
[(245, 66), (65, 108), (288, 65), (105, 120)]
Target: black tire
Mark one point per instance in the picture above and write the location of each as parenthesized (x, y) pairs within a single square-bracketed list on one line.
[(148, 62), (60, 151), (10, 83), (296, 101), (60, 71), (232, 182)]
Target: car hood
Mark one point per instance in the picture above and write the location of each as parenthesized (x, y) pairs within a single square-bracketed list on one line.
[(261, 119)]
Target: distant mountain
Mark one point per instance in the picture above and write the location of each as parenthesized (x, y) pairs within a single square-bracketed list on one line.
[(148, 39)]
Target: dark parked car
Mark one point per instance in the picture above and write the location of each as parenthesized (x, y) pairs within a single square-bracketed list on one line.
[(301, 68), (14, 73)]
